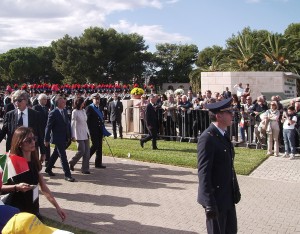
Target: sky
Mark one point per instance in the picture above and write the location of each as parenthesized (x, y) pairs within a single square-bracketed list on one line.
[(33, 23)]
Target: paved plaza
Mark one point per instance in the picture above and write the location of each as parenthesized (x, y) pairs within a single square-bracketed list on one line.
[(137, 197)]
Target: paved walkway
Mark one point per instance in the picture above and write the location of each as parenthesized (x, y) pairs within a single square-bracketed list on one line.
[(137, 197)]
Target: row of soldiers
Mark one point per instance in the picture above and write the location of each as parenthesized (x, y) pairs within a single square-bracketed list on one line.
[(105, 97)]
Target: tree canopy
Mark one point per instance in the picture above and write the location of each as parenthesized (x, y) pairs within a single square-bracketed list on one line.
[(101, 55)]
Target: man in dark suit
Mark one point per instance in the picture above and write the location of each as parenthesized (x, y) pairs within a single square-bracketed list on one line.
[(226, 94), (8, 105), (115, 109), (43, 111), (95, 124), (218, 187), (22, 116), (151, 123), (58, 132)]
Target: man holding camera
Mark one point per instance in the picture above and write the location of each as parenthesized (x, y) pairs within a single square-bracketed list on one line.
[(289, 120)]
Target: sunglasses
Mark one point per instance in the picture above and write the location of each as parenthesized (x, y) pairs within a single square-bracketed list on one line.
[(19, 100), (29, 140)]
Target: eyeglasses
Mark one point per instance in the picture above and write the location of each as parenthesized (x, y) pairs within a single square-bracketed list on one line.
[(29, 140), (19, 100)]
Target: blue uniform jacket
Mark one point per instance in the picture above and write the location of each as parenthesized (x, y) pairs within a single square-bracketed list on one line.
[(217, 178)]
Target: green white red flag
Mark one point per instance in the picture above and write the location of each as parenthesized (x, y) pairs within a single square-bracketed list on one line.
[(12, 165)]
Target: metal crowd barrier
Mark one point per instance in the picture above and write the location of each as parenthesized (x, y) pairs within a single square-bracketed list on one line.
[(190, 124), (177, 126)]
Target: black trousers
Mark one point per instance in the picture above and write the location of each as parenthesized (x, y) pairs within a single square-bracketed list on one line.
[(152, 135), (114, 127), (97, 147), (225, 223), (60, 151), (47, 153)]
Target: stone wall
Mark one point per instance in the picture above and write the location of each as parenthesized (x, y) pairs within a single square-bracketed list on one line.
[(280, 83), (130, 117)]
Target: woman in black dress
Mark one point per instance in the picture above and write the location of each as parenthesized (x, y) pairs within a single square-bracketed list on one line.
[(23, 144)]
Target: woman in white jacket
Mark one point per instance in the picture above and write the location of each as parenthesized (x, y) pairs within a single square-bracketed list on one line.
[(272, 118), (80, 133)]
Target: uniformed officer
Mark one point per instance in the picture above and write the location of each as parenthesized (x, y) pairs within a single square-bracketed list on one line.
[(218, 190), (95, 122)]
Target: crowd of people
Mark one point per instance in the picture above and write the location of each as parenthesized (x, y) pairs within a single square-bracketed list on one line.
[(255, 121), (29, 128), (33, 120), (180, 116)]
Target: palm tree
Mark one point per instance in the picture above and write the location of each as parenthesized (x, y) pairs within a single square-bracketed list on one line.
[(281, 53), (242, 54)]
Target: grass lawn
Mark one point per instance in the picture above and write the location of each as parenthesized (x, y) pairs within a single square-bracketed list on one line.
[(178, 154)]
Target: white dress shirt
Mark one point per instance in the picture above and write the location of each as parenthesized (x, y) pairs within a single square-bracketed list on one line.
[(25, 116)]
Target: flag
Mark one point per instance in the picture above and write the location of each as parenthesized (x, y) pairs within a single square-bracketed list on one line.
[(12, 165), (2, 162)]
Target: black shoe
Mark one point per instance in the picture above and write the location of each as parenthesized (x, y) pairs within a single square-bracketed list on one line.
[(155, 148), (70, 179), (100, 166), (50, 173), (115, 137), (142, 143), (71, 167), (121, 137), (86, 172)]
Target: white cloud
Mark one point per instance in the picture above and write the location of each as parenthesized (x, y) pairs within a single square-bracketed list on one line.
[(151, 33), (38, 22)]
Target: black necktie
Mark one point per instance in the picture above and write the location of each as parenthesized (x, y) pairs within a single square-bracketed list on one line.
[(63, 115), (20, 121), (226, 135)]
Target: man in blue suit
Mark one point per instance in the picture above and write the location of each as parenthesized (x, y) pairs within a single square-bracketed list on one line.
[(218, 187), (59, 130)]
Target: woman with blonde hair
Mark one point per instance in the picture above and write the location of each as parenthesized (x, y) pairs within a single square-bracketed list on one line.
[(26, 199), (272, 128)]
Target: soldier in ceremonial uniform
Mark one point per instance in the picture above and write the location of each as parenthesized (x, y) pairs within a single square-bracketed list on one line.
[(95, 122), (218, 190)]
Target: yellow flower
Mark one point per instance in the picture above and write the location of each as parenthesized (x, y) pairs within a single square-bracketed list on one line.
[(137, 91)]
